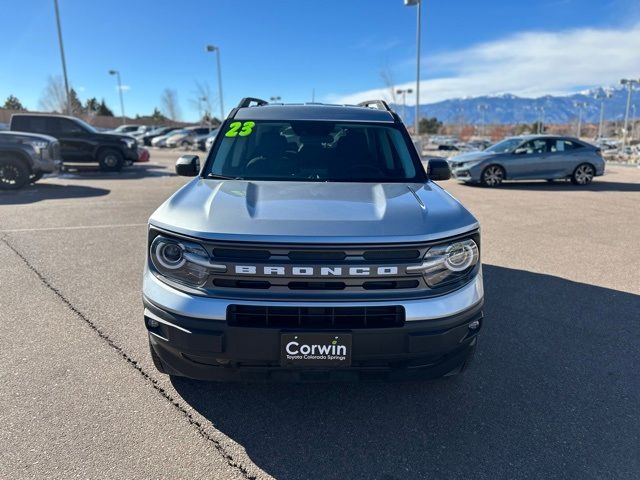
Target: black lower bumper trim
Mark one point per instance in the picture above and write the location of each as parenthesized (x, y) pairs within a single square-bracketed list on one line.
[(214, 350)]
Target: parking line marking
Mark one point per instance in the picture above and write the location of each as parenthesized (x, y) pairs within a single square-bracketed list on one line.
[(78, 227)]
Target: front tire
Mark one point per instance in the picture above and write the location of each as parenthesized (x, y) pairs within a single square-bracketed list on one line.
[(583, 174), (492, 176), (14, 174), (110, 160)]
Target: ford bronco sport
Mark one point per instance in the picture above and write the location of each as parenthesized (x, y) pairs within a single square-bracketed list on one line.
[(312, 245)]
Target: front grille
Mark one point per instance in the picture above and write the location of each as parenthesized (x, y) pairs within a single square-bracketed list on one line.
[(312, 283), (317, 318), (54, 151)]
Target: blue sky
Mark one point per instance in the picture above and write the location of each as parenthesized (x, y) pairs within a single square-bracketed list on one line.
[(338, 47)]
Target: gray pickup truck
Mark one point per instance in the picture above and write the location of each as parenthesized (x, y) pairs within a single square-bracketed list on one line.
[(25, 157), (312, 244)]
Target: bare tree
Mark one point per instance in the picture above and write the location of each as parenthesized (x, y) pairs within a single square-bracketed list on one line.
[(387, 78), (169, 102), (54, 97), (202, 101)]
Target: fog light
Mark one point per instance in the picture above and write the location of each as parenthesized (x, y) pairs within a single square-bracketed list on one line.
[(474, 325), (152, 323)]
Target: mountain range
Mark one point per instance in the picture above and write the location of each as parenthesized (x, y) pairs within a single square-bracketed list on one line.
[(511, 109)]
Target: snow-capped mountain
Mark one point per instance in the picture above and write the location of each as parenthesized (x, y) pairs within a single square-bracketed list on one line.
[(508, 109)]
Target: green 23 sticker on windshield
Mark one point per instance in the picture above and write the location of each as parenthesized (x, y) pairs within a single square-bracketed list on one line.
[(241, 129)]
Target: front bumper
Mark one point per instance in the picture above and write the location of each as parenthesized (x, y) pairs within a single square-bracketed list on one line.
[(131, 154), (192, 338)]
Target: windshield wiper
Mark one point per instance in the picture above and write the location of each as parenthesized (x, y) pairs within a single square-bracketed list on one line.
[(221, 177)]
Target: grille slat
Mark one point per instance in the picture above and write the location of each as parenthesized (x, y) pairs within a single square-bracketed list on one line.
[(317, 318)]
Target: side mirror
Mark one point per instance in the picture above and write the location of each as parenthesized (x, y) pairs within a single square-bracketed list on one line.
[(438, 169), (188, 166)]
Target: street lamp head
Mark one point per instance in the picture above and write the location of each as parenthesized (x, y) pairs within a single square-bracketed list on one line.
[(411, 3), (113, 72), (211, 48), (409, 90)]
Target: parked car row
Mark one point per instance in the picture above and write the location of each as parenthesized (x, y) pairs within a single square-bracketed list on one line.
[(185, 138), (531, 157)]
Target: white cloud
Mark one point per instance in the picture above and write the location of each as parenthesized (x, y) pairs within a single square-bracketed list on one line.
[(124, 88), (529, 64)]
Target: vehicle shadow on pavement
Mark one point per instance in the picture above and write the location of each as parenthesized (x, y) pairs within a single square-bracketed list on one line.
[(133, 172), (566, 186), (554, 392), (48, 191)]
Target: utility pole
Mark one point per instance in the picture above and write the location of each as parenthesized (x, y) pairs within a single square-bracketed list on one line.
[(418, 4), (483, 109), (64, 63), (581, 106), (213, 48), (602, 97), (117, 74), (629, 82), (403, 92)]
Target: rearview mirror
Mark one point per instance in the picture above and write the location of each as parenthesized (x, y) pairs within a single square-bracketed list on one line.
[(188, 166), (438, 169)]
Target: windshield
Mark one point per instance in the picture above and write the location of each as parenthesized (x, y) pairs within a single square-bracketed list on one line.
[(313, 151), (505, 146)]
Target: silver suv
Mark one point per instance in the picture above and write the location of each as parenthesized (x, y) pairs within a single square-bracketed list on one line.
[(312, 245)]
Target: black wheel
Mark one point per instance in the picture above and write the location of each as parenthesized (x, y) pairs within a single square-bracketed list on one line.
[(35, 177), (14, 174), (110, 160), (583, 174), (492, 176), (156, 360)]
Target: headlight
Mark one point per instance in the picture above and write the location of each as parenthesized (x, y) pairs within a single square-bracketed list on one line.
[(130, 142), (182, 261), (448, 263), (38, 145)]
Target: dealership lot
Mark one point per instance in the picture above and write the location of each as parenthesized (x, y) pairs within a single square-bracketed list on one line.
[(554, 391)]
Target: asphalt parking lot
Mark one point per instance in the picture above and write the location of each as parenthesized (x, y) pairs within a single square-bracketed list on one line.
[(554, 391)]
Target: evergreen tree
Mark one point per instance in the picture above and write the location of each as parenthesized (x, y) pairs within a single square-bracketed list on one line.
[(104, 110), (12, 103)]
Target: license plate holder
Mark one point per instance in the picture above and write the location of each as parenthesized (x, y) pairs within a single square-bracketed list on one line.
[(315, 350)]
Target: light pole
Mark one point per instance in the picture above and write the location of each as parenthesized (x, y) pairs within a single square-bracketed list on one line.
[(629, 82), (213, 48), (540, 126), (580, 106), (117, 74), (64, 63), (602, 97), (418, 4), (275, 99), (483, 109), (633, 122), (403, 92)]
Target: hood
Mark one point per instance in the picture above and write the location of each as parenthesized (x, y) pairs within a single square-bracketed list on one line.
[(113, 136), (471, 157), (313, 212)]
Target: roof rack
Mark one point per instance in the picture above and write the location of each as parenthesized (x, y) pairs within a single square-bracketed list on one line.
[(379, 104), (247, 101)]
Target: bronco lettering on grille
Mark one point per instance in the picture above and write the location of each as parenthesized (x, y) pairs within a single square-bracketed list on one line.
[(315, 271)]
